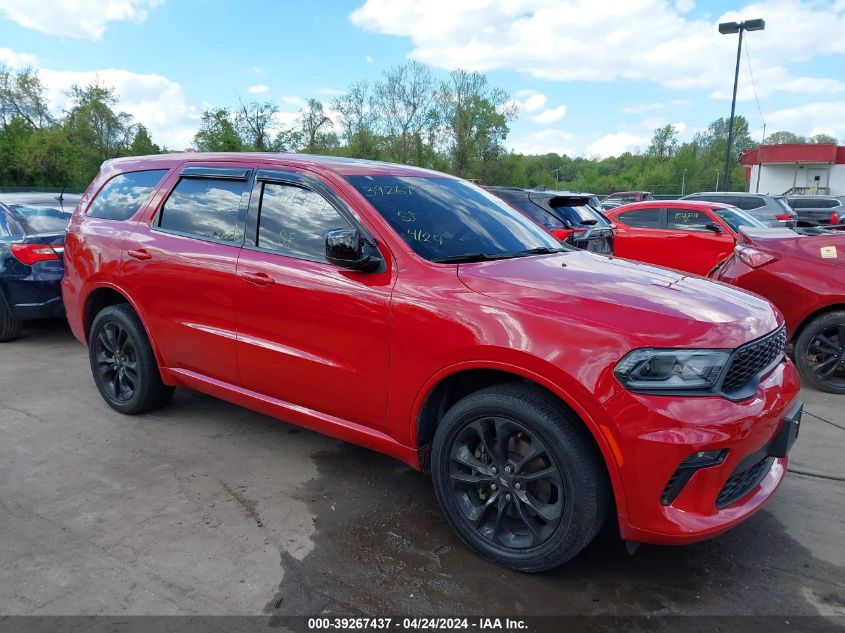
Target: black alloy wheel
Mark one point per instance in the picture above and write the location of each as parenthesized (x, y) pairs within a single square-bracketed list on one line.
[(117, 361), (506, 483), (123, 364), (820, 352), (519, 477)]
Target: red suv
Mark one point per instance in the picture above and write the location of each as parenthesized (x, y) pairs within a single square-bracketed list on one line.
[(416, 314)]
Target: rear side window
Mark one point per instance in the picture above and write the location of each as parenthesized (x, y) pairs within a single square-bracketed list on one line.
[(123, 195), (294, 221), (749, 202), (576, 211), (686, 220), (536, 214), (641, 218), (205, 207)]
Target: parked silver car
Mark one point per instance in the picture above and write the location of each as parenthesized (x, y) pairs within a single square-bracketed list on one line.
[(773, 210), (818, 208)]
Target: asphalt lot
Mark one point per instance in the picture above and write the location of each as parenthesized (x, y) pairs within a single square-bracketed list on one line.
[(207, 508)]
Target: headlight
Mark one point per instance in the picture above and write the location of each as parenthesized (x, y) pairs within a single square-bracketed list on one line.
[(671, 369)]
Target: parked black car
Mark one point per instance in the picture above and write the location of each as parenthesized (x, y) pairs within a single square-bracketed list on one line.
[(32, 237), (818, 209), (570, 217)]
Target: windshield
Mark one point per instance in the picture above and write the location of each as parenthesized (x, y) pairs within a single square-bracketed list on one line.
[(446, 219), (41, 219), (736, 218)]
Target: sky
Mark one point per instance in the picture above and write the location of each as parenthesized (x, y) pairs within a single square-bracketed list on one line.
[(591, 78)]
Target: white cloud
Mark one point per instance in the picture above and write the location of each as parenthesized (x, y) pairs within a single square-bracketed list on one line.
[(258, 70), (810, 118), (640, 108), (16, 60), (534, 102), (550, 115), (684, 53), (616, 144), (684, 6), (72, 18), (369, 59), (329, 92), (544, 142), (153, 100), (259, 89)]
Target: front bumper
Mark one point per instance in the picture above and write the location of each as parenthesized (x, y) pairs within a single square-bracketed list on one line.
[(655, 434)]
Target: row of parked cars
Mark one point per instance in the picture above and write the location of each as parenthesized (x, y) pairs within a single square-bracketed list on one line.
[(547, 388)]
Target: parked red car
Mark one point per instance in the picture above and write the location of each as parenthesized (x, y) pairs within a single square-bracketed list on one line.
[(804, 276), (680, 234), (415, 314)]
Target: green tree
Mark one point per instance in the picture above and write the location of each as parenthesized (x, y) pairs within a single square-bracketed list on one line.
[(217, 132), (475, 116), (823, 138), (357, 120), (664, 143), (254, 122), (142, 142), (784, 138)]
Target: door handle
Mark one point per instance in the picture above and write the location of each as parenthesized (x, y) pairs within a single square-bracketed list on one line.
[(139, 254), (259, 279)]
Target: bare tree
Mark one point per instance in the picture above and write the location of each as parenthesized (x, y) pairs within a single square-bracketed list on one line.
[(404, 102), (22, 96), (254, 122), (316, 127)]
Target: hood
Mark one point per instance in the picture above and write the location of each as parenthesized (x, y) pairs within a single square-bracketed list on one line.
[(827, 247), (647, 305)]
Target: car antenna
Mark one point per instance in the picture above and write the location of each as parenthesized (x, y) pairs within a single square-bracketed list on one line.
[(62, 194)]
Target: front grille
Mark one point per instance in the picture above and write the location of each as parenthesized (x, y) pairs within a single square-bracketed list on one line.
[(752, 358), (739, 484)]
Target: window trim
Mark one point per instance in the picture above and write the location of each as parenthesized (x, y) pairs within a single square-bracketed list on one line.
[(661, 219), (243, 208), (309, 183)]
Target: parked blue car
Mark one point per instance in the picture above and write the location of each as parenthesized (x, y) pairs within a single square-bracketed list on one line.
[(32, 237)]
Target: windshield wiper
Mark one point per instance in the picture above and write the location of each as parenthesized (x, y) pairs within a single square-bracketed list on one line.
[(488, 257), (470, 257)]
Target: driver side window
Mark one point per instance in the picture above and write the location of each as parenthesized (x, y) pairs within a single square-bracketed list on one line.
[(293, 221)]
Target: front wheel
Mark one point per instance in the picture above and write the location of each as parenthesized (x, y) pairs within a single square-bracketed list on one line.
[(820, 352), (123, 364), (518, 478)]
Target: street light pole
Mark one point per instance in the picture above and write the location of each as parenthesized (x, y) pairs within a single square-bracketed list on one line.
[(684, 182), (727, 28)]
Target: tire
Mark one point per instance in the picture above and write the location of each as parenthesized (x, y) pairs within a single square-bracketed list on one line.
[(122, 362), (820, 352), (543, 511), (10, 326)]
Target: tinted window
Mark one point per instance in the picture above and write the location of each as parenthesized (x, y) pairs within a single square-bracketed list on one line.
[(538, 215), (206, 207), (748, 202), (294, 221), (641, 218), (576, 211), (736, 218), (686, 220), (123, 195), (37, 218), (444, 218)]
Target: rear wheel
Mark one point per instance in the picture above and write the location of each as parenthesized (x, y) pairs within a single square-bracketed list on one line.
[(122, 362), (10, 327), (518, 478), (820, 352)]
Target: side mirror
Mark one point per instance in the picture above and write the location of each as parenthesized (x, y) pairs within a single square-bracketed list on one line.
[(345, 248), (712, 226)]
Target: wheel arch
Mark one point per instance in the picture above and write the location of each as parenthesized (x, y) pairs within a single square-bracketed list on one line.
[(455, 382), (818, 312), (106, 295)]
